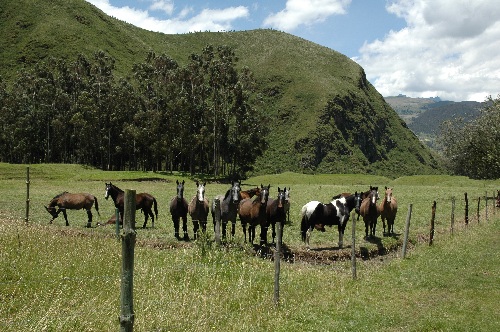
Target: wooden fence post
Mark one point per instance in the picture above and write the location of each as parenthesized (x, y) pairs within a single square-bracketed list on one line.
[(486, 205), (26, 219), (217, 221), (127, 279), (466, 209), (431, 235), (407, 229), (452, 214), (478, 207), (353, 247), (277, 261)]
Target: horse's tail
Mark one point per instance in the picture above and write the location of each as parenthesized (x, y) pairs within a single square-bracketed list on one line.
[(304, 223), (96, 206), (155, 206)]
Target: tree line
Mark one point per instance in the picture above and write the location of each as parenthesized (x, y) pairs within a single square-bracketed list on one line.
[(205, 116), (472, 148)]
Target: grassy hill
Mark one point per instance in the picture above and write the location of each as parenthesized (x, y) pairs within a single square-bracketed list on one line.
[(327, 116)]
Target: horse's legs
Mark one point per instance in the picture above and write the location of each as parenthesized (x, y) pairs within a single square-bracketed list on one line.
[(383, 224), (65, 216), (367, 225), (341, 235), (251, 233), (176, 226), (89, 222), (233, 228), (274, 230), (196, 226), (244, 226), (263, 235), (146, 215), (224, 225), (185, 228)]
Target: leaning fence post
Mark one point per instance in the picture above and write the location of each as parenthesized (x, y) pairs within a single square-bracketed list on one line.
[(26, 219), (217, 221), (127, 281), (452, 214), (466, 209), (277, 260), (431, 235), (407, 229), (478, 207), (486, 205), (353, 247)]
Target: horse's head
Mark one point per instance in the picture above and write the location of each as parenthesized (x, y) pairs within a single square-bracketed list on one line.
[(200, 191), (52, 210), (180, 189), (108, 188), (373, 194), (264, 194), (281, 197), (357, 201), (388, 195), (235, 192)]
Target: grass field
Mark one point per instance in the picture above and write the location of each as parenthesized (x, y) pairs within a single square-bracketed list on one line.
[(57, 278)]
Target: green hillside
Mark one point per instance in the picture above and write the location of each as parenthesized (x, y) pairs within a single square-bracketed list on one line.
[(326, 116)]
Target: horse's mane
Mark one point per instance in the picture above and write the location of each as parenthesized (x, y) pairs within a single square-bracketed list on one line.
[(227, 194), (57, 196)]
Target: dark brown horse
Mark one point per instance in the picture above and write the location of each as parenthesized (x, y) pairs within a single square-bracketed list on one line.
[(250, 193), (388, 209), (253, 213), (276, 211), (198, 209), (369, 211), (179, 210), (228, 207), (144, 201), (67, 201)]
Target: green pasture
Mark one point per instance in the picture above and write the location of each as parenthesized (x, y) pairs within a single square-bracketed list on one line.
[(58, 278)]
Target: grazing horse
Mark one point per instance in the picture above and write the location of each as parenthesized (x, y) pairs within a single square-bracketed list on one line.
[(388, 209), (144, 201), (198, 209), (369, 211), (276, 210), (498, 199), (250, 193), (253, 213), (70, 201), (316, 215), (228, 207), (179, 210)]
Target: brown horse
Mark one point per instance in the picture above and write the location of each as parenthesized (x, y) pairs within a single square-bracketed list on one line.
[(179, 210), (198, 209), (388, 209), (369, 211), (144, 201), (250, 193), (253, 213), (67, 201), (276, 211)]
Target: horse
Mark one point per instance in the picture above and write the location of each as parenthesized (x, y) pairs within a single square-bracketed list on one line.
[(179, 210), (250, 193), (253, 213), (388, 209), (362, 195), (316, 215), (228, 207), (369, 211), (67, 201), (198, 209), (275, 210), (144, 201)]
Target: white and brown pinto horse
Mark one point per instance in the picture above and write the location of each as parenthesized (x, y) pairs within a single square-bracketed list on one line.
[(68, 201), (388, 209), (316, 215), (198, 209)]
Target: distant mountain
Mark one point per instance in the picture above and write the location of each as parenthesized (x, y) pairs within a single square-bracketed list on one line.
[(325, 116)]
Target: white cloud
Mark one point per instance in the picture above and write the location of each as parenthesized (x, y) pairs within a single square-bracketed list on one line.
[(207, 19), (449, 49), (305, 12)]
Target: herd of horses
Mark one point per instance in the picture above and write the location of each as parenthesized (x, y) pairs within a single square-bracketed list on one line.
[(254, 207)]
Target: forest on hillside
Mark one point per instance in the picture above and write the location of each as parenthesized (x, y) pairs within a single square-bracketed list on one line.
[(200, 117)]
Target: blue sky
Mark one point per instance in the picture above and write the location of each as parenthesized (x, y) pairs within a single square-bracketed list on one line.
[(421, 48)]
